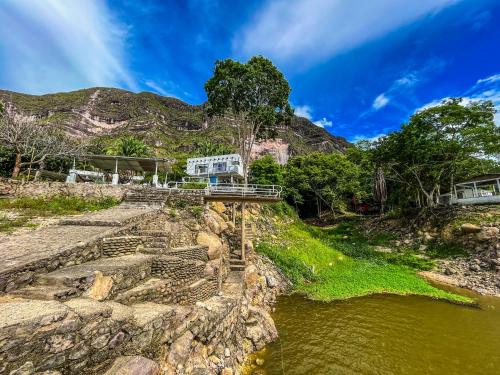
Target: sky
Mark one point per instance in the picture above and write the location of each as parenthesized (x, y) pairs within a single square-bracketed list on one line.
[(358, 68)]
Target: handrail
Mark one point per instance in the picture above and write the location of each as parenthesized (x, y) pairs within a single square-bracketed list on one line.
[(255, 190)]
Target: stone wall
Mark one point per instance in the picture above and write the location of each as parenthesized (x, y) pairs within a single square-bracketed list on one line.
[(15, 188), (162, 317)]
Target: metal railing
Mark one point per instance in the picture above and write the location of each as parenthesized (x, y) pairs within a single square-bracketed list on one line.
[(241, 190)]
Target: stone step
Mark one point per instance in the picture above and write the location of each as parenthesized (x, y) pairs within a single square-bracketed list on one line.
[(167, 291), (235, 256), (237, 267), (154, 289), (125, 271), (196, 252), (151, 233), (237, 262), (46, 292), (173, 267)]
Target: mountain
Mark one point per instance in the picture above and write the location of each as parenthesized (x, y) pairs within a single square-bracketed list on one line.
[(169, 124)]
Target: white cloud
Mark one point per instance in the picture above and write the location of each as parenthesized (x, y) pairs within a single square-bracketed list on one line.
[(307, 112), (303, 111), (58, 45), (380, 102), (308, 31), (490, 79), (485, 89), (322, 123), (362, 137)]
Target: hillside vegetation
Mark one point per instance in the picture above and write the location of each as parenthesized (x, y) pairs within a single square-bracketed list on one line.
[(168, 124)]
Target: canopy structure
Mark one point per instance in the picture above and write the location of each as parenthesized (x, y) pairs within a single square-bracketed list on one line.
[(113, 164), (129, 163)]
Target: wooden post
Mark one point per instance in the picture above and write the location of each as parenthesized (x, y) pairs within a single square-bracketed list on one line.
[(243, 231), (234, 213)]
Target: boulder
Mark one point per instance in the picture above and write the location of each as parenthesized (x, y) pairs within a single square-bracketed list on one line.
[(218, 207), (468, 228), (101, 287), (179, 351), (133, 365), (264, 332), (213, 242)]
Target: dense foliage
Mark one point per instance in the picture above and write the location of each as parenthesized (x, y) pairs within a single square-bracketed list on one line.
[(128, 146), (266, 171), (319, 182), (437, 147)]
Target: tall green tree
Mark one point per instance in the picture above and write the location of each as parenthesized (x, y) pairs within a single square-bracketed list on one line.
[(322, 182), (128, 146), (253, 96), (266, 171), (209, 148), (431, 149)]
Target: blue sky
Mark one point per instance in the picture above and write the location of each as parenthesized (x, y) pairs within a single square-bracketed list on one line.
[(359, 68)]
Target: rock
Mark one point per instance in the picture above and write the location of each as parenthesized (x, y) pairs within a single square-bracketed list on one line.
[(422, 248), (489, 233), (468, 228), (179, 350), (133, 365), (259, 361), (212, 241), (449, 271), (475, 267), (382, 249), (271, 282), (227, 353), (227, 371), (101, 287), (218, 207), (26, 369)]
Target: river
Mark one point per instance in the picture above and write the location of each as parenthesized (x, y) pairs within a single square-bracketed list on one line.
[(384, 334)]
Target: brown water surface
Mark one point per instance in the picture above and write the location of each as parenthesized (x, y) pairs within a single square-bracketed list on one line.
[(384, 334)]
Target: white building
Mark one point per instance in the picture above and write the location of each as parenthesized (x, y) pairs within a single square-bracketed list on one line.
[(218, 169), (476, 190)]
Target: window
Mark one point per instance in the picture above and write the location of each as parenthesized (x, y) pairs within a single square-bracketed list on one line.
[(201, 169), (220, 167)]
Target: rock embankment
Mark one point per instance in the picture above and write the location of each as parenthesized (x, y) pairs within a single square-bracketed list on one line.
[(475, 229), (148, 292)]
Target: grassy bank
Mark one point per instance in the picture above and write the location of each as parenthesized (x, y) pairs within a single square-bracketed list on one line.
[(16, 213), (329, 264)]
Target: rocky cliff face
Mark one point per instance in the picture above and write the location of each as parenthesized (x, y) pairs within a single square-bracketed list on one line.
[(163, 122)]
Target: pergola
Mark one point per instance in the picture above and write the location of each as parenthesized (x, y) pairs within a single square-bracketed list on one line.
[(114, 164)]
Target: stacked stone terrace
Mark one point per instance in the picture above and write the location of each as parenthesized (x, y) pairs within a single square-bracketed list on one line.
[(125, 281)]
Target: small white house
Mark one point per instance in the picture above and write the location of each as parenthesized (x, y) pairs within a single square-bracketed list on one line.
[(476, 190), (218, 169)]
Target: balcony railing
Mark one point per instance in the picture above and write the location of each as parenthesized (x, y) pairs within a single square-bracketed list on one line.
[(240, 190)]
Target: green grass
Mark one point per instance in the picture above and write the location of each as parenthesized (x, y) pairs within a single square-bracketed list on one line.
[(58, 205), (8, 225), (29, 208), (324, 265)]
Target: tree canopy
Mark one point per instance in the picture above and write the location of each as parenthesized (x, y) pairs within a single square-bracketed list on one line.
[(266, 171), (252, 95), (129, 146), (430, 152), (322, 181)]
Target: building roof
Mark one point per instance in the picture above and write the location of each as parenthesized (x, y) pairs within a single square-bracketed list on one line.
[(214, 158), (129, 163), (481, 177)]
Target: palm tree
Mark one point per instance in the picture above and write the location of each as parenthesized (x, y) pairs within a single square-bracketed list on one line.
[(129, 146)]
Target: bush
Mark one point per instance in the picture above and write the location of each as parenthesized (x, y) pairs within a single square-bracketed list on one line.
[(197, 211)]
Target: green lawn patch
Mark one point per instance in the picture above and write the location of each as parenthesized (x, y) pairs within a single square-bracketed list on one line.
[(29, 208), (323, 264)]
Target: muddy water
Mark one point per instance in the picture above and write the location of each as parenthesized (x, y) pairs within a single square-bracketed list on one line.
[(384, 334)]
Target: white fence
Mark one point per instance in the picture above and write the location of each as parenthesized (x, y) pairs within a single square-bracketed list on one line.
[(240, 190)]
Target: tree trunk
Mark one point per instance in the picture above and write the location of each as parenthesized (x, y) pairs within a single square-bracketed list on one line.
[(17, 166)]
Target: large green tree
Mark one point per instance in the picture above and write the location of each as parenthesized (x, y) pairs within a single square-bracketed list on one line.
[(253, 96), (322, 181), (266, 171), (128, 146), (429, 152)]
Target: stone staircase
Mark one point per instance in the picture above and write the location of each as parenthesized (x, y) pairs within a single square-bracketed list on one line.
[(147, 197), (236, 264), (153, 273)]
